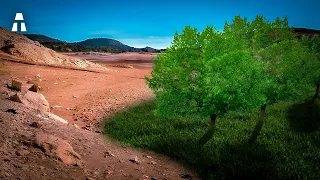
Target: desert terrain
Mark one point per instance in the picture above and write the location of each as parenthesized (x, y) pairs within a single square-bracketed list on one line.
[(66, 140), (134, 59)]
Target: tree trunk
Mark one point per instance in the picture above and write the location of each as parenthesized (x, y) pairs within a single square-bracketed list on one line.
[(208, 135), (259, 125), (316, 94)]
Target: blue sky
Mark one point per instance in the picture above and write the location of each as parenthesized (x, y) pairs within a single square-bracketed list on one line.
[(146, 22)]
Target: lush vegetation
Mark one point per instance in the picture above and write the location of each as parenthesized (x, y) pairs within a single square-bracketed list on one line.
[(247, 66), (288, 146), (227, 76)]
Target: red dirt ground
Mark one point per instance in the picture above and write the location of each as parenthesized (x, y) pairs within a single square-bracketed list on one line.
[(82, 98)]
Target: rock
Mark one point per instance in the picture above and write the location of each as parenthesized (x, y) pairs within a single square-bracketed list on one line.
[(108, 153), (15, 98), (185, 176), (56, 118), (89, 178), (108, 172), (22, 152), (135, 160), (16, 85), (57, 106), (34, 88), (57, 148), (4, 174), (33, 100), (38, 76), (76, 126), (35, 125), (75, 96), (152, 162), (13, 111)]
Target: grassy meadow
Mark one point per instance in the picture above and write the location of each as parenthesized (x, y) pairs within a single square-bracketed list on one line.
[(287, 148)]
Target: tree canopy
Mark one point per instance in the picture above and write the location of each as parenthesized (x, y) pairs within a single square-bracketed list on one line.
[(243, 67)]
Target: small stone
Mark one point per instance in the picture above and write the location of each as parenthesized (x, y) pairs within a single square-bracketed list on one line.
[(16, 85), (109, 154), (17, 165), (76, 126), (22, 152), (89, 178), (41, 168), (13, 111), (109, 172), (149, 157), (38, 76), (75, 96), (35, 125), (34, 88), (57, 106), (5, 174), (185, 176), (152, 162), (135, 160), (55, 83)]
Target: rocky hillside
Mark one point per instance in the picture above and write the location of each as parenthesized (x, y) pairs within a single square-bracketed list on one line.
[(20, 47)]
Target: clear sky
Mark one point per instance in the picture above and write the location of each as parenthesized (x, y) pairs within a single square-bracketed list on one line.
[(146, 22)]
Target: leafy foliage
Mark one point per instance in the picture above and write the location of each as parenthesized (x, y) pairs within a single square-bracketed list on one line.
[(245, 66)]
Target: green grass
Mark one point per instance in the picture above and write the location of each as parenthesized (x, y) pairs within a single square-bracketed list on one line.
[(287, 148)]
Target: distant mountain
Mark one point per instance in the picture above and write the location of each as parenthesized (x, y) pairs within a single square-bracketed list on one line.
[(305, 31), (100, 42), (42, 38), (94, 44)]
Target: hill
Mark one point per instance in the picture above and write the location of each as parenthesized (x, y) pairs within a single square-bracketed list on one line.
[(94, 44), (308, 32), (42, 38), (15, 46), (100, 42)]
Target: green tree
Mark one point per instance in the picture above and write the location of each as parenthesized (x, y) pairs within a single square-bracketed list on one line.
[(244, 67)]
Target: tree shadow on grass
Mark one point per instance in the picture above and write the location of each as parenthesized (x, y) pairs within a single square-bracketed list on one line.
[(242, 161), (227, 162), (305, 117)]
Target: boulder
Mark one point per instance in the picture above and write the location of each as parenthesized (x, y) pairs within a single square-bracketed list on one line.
[(34, 88), (16, 85), (57, 148), (33, 100), (15, 98)]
